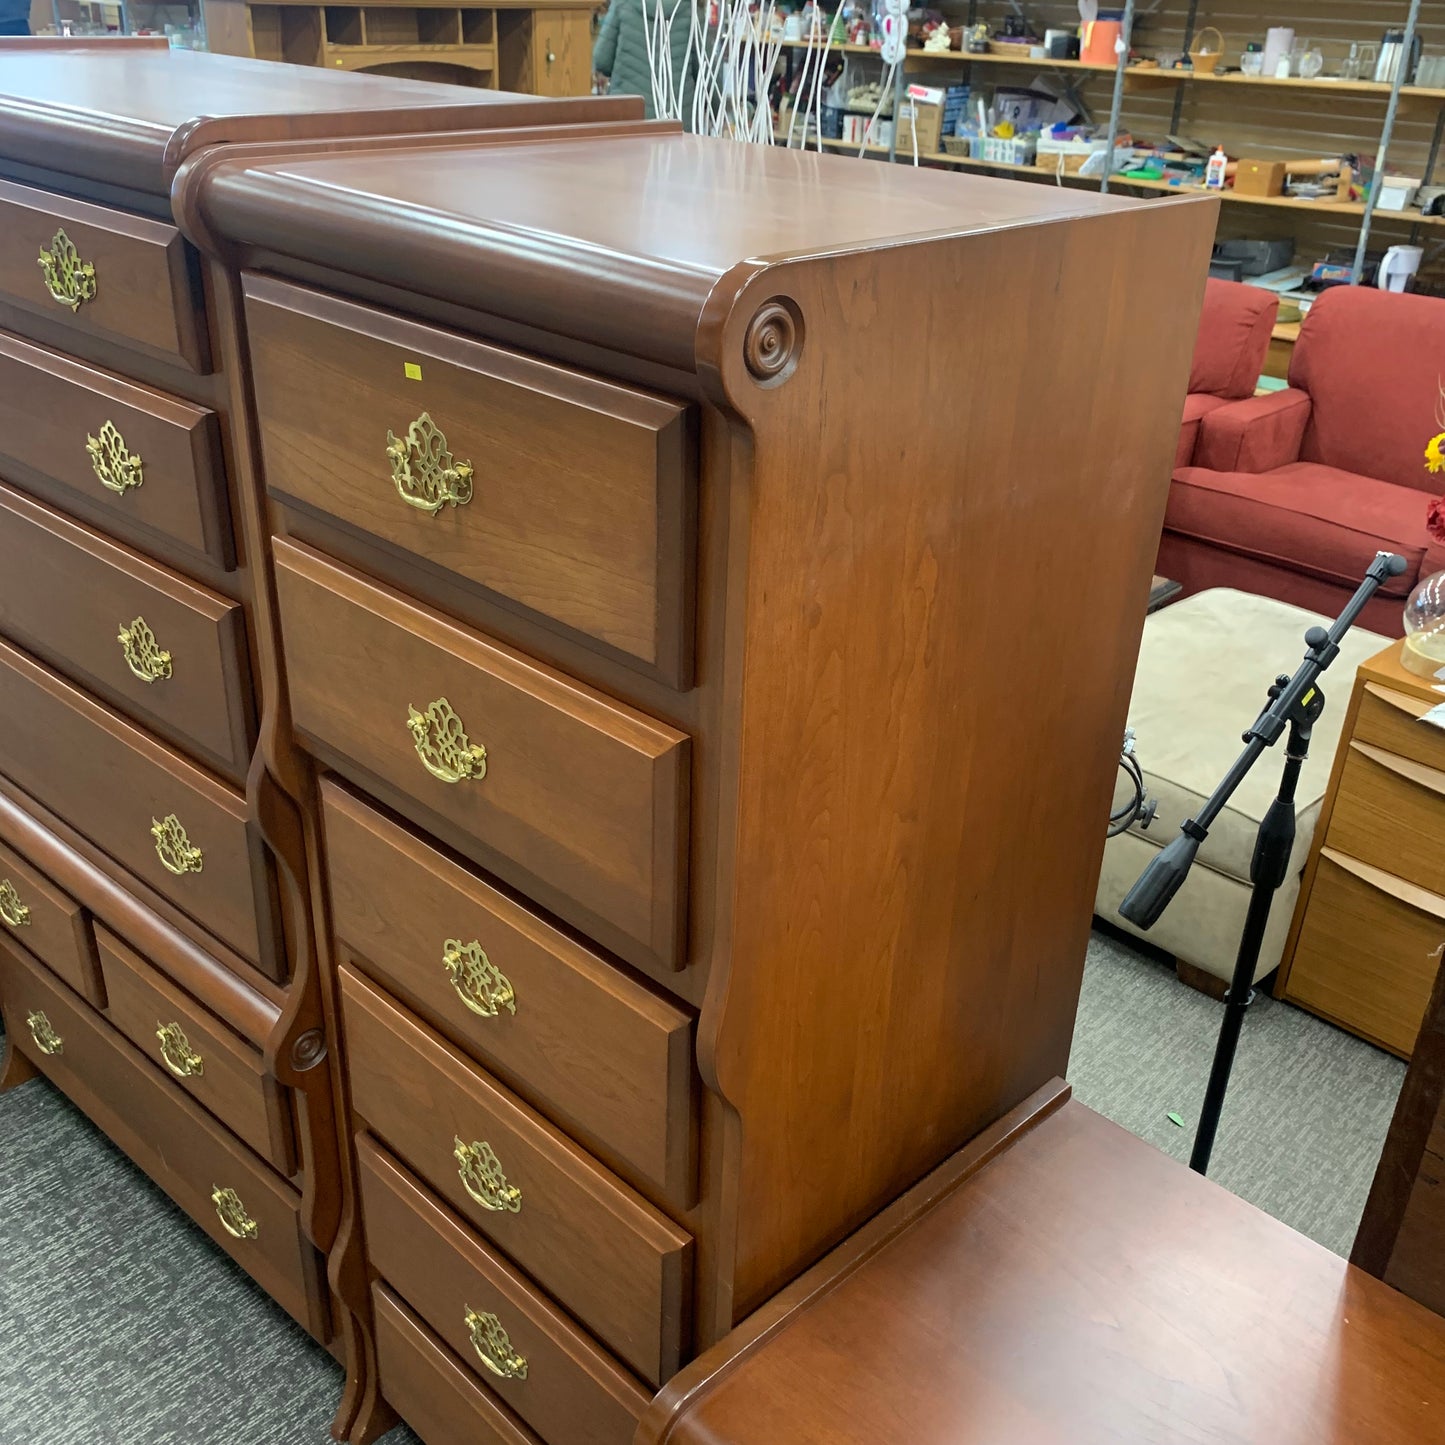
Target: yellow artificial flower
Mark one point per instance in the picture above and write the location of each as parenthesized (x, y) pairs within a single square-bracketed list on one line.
[(1434, 455)]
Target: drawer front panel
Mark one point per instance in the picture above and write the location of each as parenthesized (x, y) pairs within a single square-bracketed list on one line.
[(607, 1256), (1366, 953), (126, 278), (1391, 720), (574, 496), (155, 645), (49, 924), (572, 798), (522, 1348), (149, 463), (1390, 812), (186, 1153), (120, 788), (605, 1058), (429, 1389), (216, 1067)]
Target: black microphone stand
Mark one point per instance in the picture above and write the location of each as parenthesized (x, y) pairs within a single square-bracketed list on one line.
[(1298, 702)]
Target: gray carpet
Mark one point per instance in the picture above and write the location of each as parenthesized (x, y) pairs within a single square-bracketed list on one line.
[(121, 1324)]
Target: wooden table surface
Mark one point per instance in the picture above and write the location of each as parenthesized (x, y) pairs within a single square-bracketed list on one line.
[(1079, 1289)]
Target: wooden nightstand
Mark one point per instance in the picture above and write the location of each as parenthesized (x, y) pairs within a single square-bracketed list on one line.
[(1371, 911)]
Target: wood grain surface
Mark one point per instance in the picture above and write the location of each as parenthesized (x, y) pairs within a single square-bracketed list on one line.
[(69, 591), (54, 927), (168, 1136), (615, 1263), (230, 1081), (146, 291), (50, 405), (584, 802), (572, 1390), (112, 782), (1390, 812), (581, 507), (605, 1058)]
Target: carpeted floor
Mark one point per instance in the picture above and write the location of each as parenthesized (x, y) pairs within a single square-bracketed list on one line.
[(121, 1324)]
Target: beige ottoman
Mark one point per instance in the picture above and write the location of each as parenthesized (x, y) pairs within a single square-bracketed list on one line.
[(1203, 669)]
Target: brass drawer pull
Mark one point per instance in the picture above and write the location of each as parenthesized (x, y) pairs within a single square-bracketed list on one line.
[(68, 279), (442, 743), (46, 1039), (145, 659), (493, 1347), (479, 983), (117, 467), (234, 1219), (12, 910), (176, 851), (176, 1051), (481, 1174), (423, 471)]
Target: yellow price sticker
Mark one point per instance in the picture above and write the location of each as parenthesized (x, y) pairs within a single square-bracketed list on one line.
[(413, 371)]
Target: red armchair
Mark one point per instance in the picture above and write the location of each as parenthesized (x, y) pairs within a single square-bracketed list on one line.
[(1234, 329), (1291, 494)]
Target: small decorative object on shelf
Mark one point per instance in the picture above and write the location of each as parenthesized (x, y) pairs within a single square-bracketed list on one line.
[(1424, 649)]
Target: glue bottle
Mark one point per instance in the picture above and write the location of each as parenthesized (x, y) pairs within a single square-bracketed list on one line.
[(1214, 172)]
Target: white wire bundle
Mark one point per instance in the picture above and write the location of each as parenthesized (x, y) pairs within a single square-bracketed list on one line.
[(813, 54)]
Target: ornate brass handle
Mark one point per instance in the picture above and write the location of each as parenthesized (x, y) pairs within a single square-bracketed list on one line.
[(234, 1219), (493, 1347), (142, 655), (68, 279), (442, 744), (12, 910), (481, 1174), (46, 1039), (479, 983), (180, 1058), (114, 464), (176, 851), (423, 471)]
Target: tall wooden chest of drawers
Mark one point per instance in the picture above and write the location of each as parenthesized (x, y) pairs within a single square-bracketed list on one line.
[(156, 955), (712, 661)]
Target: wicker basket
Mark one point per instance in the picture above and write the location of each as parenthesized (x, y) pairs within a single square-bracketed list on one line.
[(1009, 47), (958, 145), (1204, 58)]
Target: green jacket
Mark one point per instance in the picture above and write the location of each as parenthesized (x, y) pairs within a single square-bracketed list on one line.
[(621, 49)]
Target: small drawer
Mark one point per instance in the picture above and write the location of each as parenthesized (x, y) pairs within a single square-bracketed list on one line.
[(174, 826), (135, 461), (569, 796), (149, 642), (1391, 720), (600, 1250), (429, 1389), (218, 1068), (103, 272), (522, 1348), (1366, 954), (52, 926), (1390, 812), (241, 1204), (551, 491), (603, 1057)]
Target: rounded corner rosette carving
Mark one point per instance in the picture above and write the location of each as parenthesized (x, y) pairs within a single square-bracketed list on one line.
[(773, 341)]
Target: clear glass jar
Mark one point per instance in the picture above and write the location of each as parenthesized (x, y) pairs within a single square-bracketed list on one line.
[(1424, 650)]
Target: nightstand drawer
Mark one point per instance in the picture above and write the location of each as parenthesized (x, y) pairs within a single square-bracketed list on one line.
[(172, 825), (600, 1250), (50, 925), (1391, 720), (160, 648), (556, 492), (603, 1057), (140, 463), (121, 277), (428, 1388), (520, 1346), (575, 799), (216, 1067), (254, 1216), (1390, 812), (1367, 951)]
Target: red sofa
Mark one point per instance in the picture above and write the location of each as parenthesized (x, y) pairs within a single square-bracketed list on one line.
[(1291, 494), (1229, 352)]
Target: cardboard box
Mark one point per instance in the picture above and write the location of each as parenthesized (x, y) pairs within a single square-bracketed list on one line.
[(931, 110), (1259, 178)]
